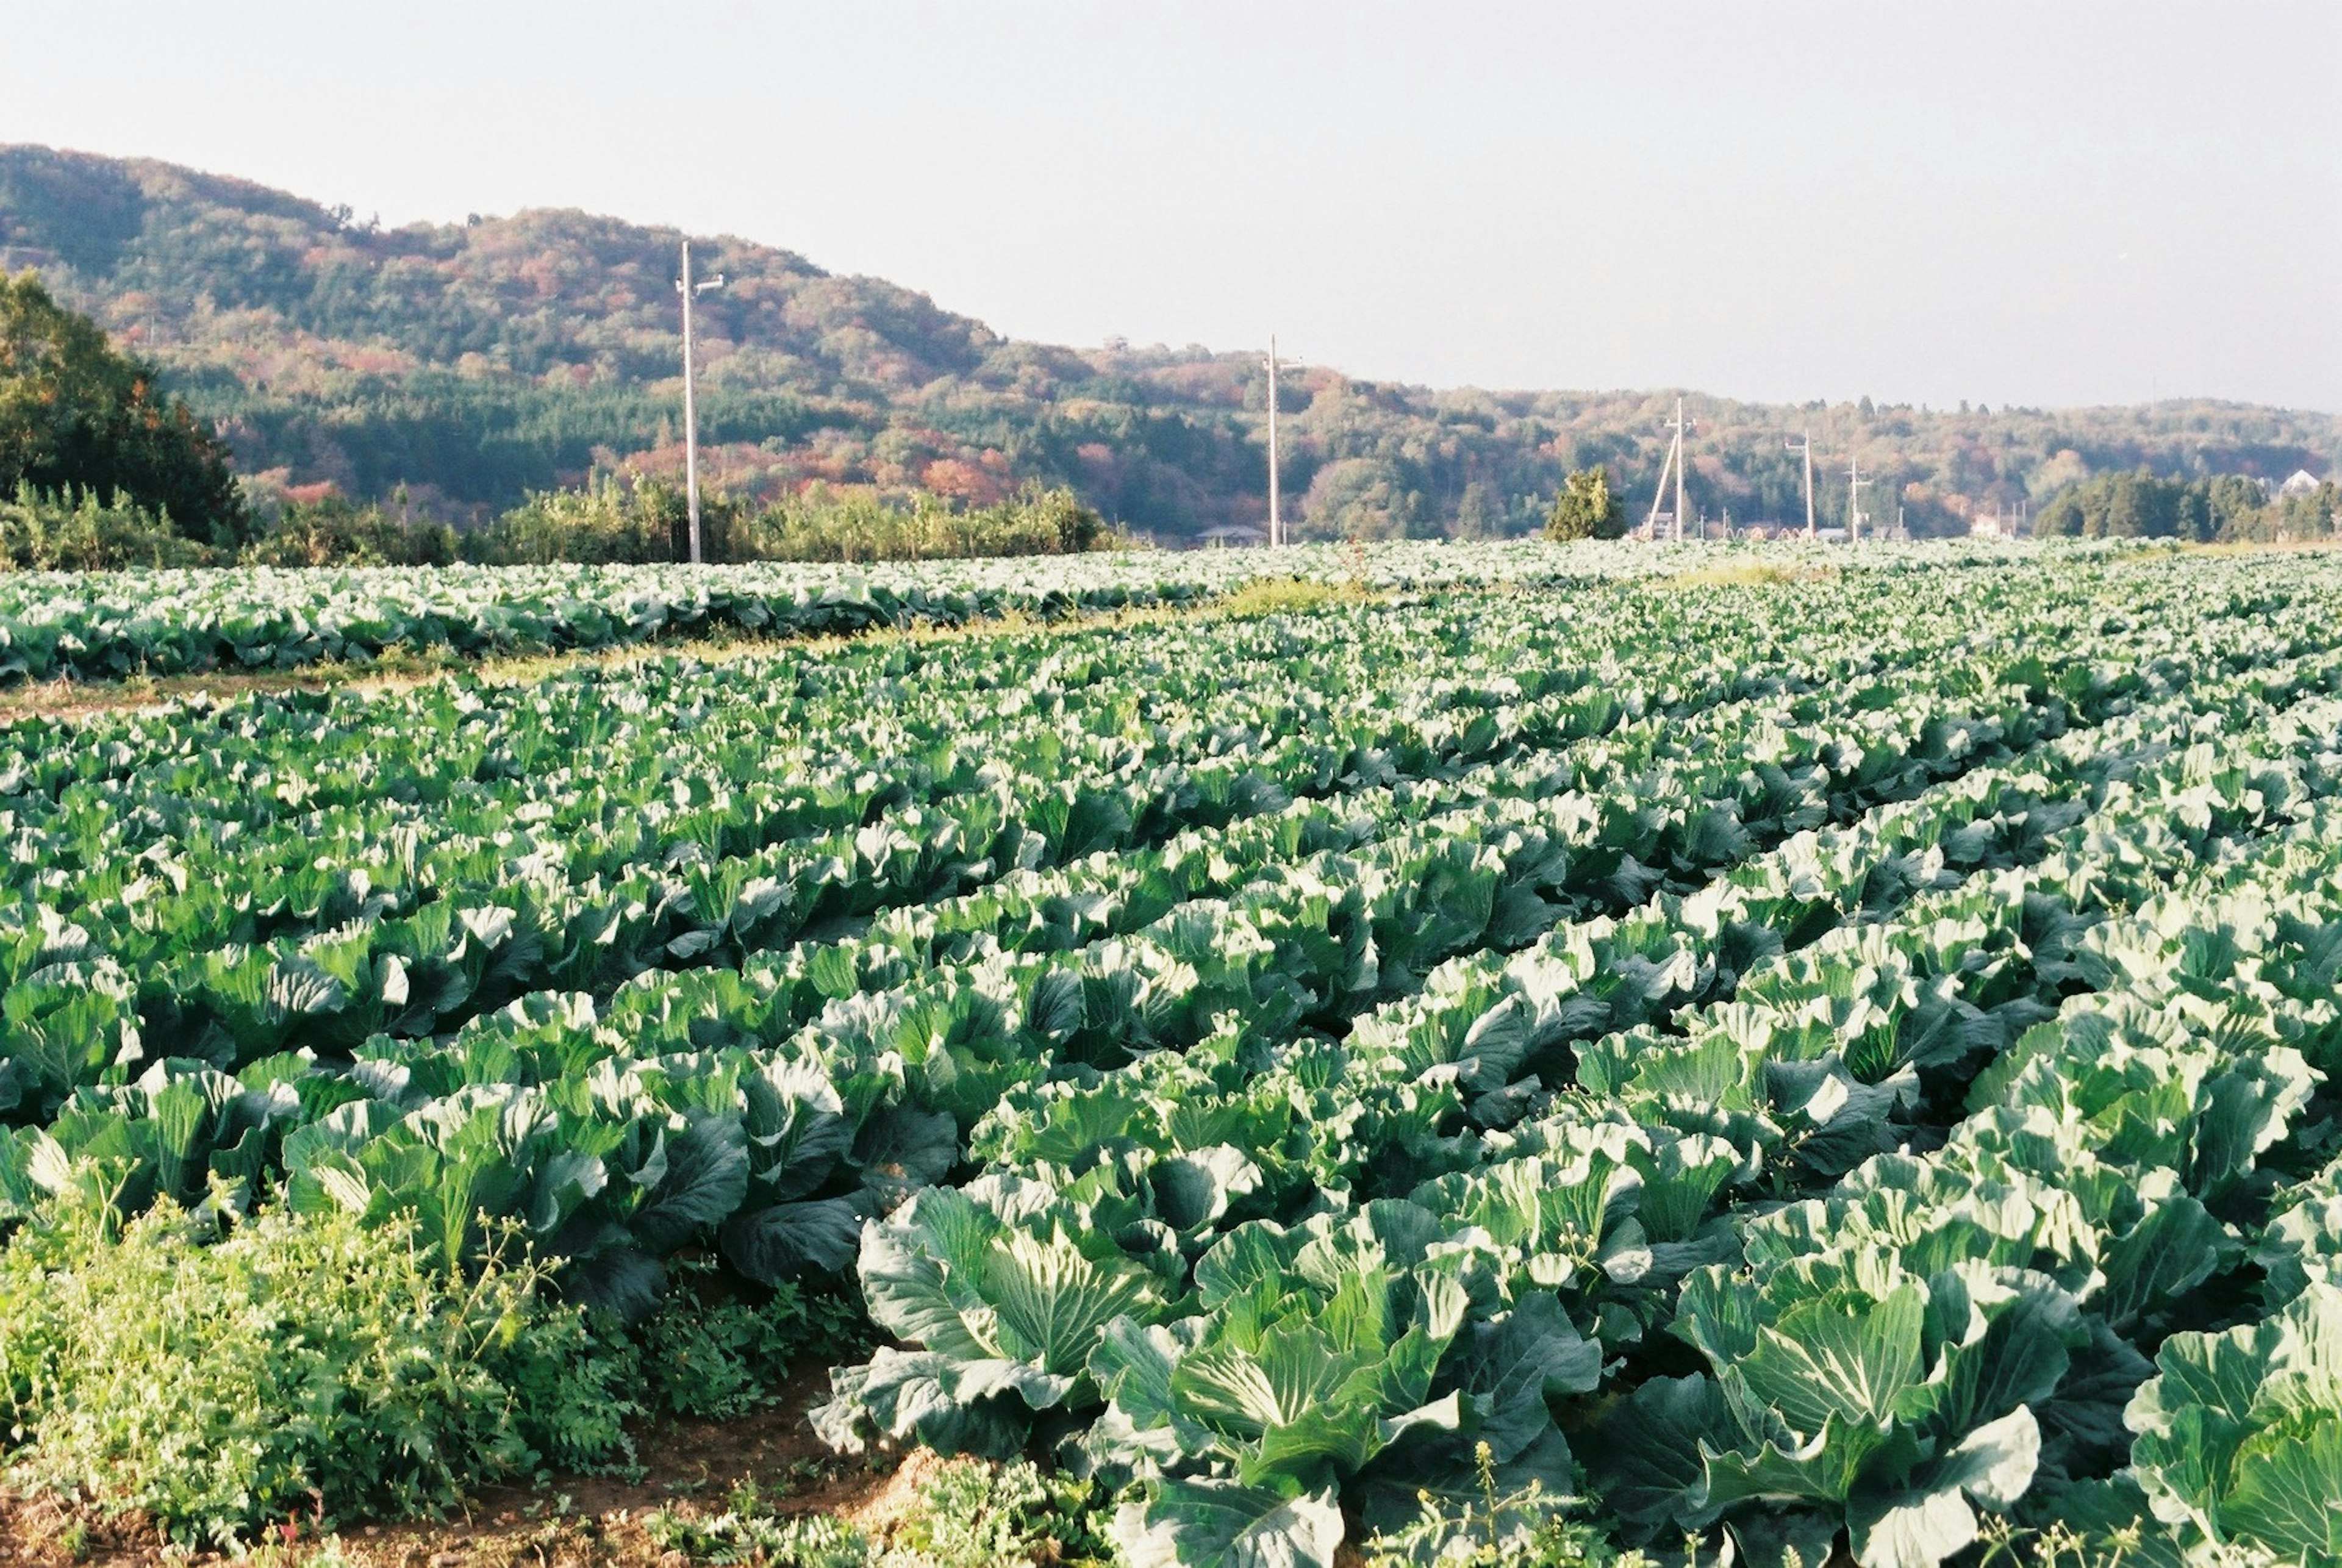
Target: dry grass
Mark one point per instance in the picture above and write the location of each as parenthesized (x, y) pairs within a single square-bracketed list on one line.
[(2260, 547), (1754, 574)]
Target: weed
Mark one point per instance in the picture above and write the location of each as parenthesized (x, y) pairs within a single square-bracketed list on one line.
[(718, 1360), (969, 1515), (1754, 574), (291, 1366), (1497, 1529), (1291, 595)]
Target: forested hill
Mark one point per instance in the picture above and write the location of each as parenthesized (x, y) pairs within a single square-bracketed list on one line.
[(472, 362)]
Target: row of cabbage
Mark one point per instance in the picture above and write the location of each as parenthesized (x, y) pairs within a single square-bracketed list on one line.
[(104, 625), (1228, 1329), (291, 1006), (955, 1401), (226, 885), (1971, 1326), (1393, 893), (1422, 1073)]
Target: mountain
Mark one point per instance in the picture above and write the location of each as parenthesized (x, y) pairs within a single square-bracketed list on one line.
[(472, 362)]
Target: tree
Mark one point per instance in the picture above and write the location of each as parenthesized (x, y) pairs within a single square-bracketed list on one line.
[(79, 417), (2311, 514), (2194, 512), (2127, 507), (1364, 498), (2063, 518), (1479, 514), (2233, 502), (1584, 508)]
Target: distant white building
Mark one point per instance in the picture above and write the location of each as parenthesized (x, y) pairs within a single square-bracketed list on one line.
[(2302, 482), (1992, 525), (1232, 534)]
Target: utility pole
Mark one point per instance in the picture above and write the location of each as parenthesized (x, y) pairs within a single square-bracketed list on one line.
[(688, 289), (1805, 445), (1660, 496), (1679, 468), (1276, 523), (1675, 460), (1853, 484)]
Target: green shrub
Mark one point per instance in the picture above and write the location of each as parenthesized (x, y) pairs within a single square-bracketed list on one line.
[(606, 522), (41, 533), (294, 1364), (645, 520), (333, 533), (857, 525)]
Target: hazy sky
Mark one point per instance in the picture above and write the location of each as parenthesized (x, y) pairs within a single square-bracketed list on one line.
[(2046, 203)]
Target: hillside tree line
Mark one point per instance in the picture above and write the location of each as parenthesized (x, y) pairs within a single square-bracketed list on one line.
[(475, 363)]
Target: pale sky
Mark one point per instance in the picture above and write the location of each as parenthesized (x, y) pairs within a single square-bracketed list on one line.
[(2046, 203)]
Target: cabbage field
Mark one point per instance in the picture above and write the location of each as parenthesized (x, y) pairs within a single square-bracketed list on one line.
[(1839, 1059)]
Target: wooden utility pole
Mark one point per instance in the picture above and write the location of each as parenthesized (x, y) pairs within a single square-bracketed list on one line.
[(1659, 495), (690, 290), (1679, 468), (1805, 445), (1276, 523), (1675, 461)]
